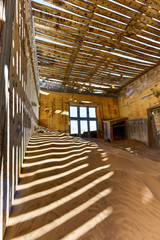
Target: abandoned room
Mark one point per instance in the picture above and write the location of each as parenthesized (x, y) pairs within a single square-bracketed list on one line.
[(80, 119)]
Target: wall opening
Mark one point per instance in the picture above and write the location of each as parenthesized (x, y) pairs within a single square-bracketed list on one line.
[(83, 121), (156, 115), (154, 126)]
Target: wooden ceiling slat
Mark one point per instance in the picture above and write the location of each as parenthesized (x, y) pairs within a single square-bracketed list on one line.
[(152, 30), (112, 15), (78, 18), (107, 41), (73, 8), (124, 61), (109, 54), (154, 4), (52, 39), (56, 35), (86, 5), (58, 23), (54, 46), (138, 55), (99, 40), (114, 7), (47, 26), (53, 54), (140, 45), (75, 52), (108, 21), (106, 27), (129, 3), (117, 59), (65, 23)]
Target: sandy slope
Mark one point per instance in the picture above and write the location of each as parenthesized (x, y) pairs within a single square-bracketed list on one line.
[(73, 189)]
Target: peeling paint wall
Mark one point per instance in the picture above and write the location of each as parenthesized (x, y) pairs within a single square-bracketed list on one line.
[(54, 109), (140, 95), (21, 105)]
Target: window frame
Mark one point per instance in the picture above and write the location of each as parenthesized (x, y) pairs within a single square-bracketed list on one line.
[(79, 119)]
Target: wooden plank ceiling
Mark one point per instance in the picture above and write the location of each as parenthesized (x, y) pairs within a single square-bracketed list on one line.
[(96, 46)]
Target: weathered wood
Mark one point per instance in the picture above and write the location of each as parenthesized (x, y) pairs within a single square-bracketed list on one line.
[(47, 26), (56, 35), (56, 40), (99, 40), (86, 5), (80, 16), (59, 20)]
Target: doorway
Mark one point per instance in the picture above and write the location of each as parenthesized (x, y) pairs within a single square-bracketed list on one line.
[(83, 121), (154, 126)]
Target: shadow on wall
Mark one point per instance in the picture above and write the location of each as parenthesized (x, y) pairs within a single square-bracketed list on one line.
[(20, 92)]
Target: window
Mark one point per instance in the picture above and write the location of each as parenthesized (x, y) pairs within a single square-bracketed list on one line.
[(83, 126), (73, 111), (74, 126), (92, 112), (83, 121), (93, 125), (83, 112)]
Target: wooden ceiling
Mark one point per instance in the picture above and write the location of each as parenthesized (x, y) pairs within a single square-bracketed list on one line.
[(96, 46)]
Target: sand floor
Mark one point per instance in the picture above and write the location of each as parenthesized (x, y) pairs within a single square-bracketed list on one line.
[(137, 148), (73, 189)]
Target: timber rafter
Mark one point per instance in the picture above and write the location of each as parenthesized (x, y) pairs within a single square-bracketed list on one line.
[(107, 42)]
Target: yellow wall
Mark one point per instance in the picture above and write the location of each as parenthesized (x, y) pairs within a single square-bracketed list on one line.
[(55, 106), (140, 95)]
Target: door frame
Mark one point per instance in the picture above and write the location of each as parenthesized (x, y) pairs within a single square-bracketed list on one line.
[(152, 130)]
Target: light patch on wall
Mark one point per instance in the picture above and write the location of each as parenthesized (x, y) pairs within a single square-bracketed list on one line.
[(13, 61), (17, 12), (65, 113), (1, 201), (13, 103), (24, 32), (13, 166), (57, 111), (16, 164), (20, 105), (16, 102), (8, 137), (3, 16), (22, 81), (130, 92), (17, 62), (148, 95), (86, 101), (44, 93), (124, 105)]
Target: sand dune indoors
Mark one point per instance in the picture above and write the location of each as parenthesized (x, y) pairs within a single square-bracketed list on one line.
[(73, 189)]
